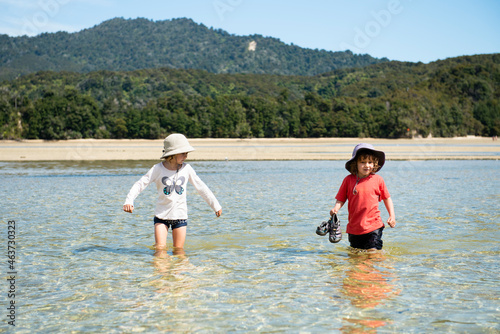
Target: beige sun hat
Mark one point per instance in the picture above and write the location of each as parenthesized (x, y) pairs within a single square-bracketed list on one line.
[(174, 144)]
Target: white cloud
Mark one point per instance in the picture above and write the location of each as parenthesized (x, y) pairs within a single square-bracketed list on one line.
[(33, 17), (32, 25)]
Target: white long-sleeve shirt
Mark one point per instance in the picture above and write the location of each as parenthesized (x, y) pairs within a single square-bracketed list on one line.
[(171, 188)]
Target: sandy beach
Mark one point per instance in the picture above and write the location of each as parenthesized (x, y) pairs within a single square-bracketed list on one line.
[(252, 149)]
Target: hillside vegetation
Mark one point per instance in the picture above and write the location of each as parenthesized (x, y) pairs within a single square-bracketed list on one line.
[(453, 97), (126, 45)]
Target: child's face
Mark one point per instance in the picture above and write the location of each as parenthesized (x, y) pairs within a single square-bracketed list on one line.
[(365, 166), (179, 158)]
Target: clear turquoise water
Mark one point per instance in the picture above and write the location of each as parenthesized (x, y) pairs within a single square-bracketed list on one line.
[(86, 266)]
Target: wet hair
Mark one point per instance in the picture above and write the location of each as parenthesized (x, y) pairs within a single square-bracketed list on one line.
[(353, 166)]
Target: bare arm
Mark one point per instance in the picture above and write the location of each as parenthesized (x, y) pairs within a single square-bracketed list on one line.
[(391, 221), (336, 208)]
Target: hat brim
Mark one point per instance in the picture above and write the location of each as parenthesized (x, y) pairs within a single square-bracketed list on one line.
[(379, 154), (186, 149)]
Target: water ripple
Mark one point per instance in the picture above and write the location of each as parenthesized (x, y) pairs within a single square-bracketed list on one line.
[(86, 266)]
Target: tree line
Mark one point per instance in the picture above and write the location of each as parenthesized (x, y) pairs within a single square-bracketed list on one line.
[(453, 97)]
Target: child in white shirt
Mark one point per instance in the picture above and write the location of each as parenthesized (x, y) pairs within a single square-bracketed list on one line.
[(171, 177)]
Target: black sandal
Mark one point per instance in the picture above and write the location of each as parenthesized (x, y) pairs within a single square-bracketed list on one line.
[(334, 229), (323, 228)]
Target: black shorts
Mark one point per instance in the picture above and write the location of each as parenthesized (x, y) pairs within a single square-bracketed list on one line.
[(171, 223), (368, 240)]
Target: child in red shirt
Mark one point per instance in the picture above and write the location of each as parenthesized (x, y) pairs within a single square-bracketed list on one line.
[(364, 190)]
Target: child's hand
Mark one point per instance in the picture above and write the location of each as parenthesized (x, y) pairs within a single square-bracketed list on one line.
[(218, 213), (336, 208), (391, 221), (128, 208)]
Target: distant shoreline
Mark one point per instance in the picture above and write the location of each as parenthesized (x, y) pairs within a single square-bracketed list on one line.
[(461, 148)]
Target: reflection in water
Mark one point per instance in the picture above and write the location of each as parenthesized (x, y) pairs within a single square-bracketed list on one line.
[(172, 271), (162, 252), (367, 284)]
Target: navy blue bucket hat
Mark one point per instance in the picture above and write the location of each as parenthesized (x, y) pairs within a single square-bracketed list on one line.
[(368, 148)]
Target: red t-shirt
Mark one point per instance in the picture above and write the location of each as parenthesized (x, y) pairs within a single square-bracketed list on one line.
[(364, 215)]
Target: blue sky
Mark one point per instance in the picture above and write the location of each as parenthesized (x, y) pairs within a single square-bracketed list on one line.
[(406, 30)]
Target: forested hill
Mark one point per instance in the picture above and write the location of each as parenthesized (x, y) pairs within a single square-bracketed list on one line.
[(453, 97), (124, 45)]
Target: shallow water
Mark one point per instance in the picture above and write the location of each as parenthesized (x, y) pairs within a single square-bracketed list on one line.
[(83, 265)]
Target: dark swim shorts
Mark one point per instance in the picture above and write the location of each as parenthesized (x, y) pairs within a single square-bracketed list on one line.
[(171, 223), (368, 240)]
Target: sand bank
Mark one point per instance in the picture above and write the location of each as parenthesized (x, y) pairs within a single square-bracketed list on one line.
[(251, 149)]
